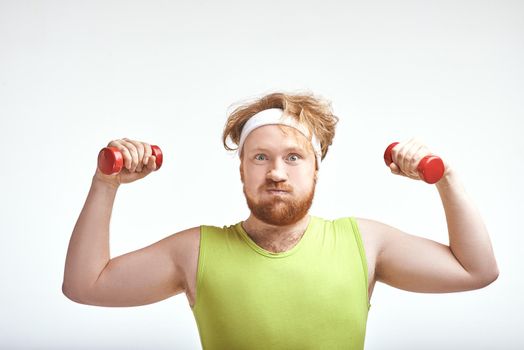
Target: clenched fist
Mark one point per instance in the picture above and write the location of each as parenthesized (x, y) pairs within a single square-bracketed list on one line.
[(414, 160), (138, 161)]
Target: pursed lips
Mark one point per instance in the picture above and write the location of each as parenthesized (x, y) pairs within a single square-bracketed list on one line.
[(276, 191)]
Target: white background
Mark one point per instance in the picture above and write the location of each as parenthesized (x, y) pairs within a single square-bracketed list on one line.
[(76, 74)]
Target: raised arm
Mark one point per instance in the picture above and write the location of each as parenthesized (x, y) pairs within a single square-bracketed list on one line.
[(422, 265), (141, 277)]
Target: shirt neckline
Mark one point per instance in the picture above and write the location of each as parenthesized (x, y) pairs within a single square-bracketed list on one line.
[(269, 254)]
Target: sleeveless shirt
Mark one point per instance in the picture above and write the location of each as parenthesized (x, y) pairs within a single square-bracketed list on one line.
[(313, 296)]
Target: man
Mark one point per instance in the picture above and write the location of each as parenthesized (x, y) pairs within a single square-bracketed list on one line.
[(281, 279)]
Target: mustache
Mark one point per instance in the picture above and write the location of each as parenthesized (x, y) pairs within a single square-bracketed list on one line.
[(276, 186)]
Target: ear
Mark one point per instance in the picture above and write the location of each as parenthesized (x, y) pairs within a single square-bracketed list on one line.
[(316, 175), (241, 172)]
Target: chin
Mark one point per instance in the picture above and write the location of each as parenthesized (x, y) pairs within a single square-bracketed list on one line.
[(280, 211)]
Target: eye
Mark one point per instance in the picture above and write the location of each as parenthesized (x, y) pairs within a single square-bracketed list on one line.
[(260, 156), (293, 157)]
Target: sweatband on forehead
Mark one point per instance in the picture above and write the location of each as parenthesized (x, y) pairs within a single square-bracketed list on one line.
[(276, 116)]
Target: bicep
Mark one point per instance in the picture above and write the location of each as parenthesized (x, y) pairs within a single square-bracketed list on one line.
[(415, 263), (144, 276)]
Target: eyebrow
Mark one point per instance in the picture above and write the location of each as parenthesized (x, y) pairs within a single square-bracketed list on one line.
[(287, 149)]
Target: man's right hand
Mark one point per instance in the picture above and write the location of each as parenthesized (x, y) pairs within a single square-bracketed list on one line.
[(138, 162)]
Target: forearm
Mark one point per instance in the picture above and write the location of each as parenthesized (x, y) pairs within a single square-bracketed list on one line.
[(88, 251), (468, 237)]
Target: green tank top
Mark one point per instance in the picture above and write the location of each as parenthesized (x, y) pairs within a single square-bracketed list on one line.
[(313, 296)]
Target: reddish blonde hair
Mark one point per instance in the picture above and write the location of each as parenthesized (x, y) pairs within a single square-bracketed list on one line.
[(313, 111)]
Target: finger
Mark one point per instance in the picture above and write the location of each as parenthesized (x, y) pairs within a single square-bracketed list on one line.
[(134, 154), (397, 153), (419, 153), (409, 162), (126, 154), (140, 151), (402, 161), (149, 167), (151, 164), (394, 168), (140, 154), (148, 151)]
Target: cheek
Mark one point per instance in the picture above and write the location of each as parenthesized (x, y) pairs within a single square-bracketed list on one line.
[(304, 179), (252, 178)]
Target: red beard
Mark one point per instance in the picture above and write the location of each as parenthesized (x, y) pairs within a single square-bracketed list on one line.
[(280, 210)]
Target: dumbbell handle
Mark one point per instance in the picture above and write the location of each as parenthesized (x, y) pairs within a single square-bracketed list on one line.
[(111, 161), (430, 168)]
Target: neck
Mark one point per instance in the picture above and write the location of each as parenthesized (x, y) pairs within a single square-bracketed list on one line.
[(274, 238)]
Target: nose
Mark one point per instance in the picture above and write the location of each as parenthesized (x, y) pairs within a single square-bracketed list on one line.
[(277, 172)]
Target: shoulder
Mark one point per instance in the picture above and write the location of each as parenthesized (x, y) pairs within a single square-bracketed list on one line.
[(378, 231), (184, 245), (373, 229), (189, 235), (378, 236), (373, 233)]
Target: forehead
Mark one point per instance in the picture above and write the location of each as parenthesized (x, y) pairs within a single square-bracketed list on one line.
[(275, 137)]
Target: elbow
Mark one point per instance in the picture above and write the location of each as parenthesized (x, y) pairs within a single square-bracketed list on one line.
[(493, 276), (67, 291), (486, 279), (73, 294)]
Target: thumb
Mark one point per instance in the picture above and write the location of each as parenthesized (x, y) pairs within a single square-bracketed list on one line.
[(148, 168), (394, 168)]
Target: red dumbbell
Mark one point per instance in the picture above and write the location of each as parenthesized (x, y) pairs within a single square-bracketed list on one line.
[(430, 168), (110, 160)]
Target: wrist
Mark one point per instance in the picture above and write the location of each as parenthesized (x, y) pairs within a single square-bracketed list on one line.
[(107, 184), (448, 180)]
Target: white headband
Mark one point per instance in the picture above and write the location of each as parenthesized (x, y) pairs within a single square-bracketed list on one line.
[(276, 116)]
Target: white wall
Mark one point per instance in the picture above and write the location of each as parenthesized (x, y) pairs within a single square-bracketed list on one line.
[(76, 74)]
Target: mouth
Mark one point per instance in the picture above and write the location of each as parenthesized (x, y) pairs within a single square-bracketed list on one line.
[(277, 192)]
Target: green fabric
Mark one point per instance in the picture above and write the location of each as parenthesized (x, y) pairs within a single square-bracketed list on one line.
[(313, 296)]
